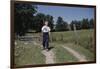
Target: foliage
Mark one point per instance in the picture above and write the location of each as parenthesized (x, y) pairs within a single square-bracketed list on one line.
[(39, 20), (24, 13), (85, 24), (61, 25), (78, 25), (82, 24), (28, 18)]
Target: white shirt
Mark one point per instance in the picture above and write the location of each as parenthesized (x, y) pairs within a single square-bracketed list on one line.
[(45, 29)]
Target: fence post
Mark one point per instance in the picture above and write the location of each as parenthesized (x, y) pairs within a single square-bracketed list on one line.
[(76, 34)]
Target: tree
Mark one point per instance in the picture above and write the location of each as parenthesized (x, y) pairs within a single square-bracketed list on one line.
[(65, 26), (39, 21), (71, 25), (85, 24), (49, 18), (61, 25), (78, 25), (24, 14), (91, 23)]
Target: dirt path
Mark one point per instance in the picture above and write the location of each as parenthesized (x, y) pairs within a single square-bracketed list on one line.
[(49, 56), (80, 57)]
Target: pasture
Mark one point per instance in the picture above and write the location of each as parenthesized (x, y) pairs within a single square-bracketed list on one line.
[(29, 52)]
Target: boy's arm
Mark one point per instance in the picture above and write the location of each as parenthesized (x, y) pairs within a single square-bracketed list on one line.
[(49, 33), (49, 30)]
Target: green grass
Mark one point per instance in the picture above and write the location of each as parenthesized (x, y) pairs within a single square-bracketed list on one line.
[(83, 38), (83, 43), (62, 55), (89, 55), (28, 54)]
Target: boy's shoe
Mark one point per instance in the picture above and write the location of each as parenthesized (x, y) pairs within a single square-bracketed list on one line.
[(47, 49)]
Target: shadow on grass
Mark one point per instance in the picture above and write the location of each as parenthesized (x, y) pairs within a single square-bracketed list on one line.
[(50, 48)]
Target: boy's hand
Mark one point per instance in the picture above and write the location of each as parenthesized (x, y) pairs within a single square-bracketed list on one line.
[(49, 33)]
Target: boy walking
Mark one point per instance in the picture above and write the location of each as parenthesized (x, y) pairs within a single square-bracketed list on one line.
[(46, 32)]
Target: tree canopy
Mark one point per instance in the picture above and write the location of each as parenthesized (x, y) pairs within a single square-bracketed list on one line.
[(26, 17), (61, 25), (24, 14)]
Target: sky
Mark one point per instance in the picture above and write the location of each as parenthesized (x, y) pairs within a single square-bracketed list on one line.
[(67, 13)]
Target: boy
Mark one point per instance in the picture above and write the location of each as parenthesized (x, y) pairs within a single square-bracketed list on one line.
[(46, 32)]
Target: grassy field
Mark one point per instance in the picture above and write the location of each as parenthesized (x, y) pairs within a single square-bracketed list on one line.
[(83, 38), (89, 55), (27, 53), (60, 54)]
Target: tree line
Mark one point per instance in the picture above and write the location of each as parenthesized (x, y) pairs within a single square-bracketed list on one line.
[(26, 17)]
